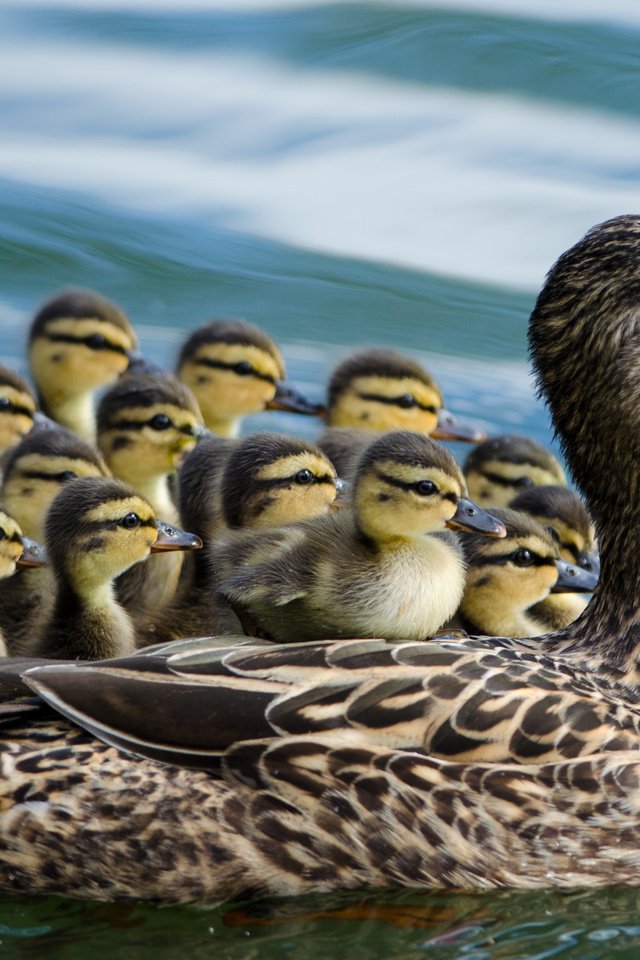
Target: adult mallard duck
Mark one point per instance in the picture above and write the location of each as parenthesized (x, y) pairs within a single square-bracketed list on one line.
[(78, 342), (362, 763)]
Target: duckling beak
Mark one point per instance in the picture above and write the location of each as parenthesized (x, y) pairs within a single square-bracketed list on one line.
[(450, 427), (343, 494), (138, 363), (43, 422), (469, 516), (589, 561), (33, 554), (173, 538), (288, 397), (572, 579)]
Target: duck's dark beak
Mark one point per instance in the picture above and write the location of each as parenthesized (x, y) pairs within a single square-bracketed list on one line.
[(33, 554), (469, 516), (572, 579), (589, 562), (450, 427), (288, 397), (343, 494), (173, 538)]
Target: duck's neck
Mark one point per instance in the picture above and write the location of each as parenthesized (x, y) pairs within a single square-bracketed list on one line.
[(156, 490), (224, 428), (74, 411)]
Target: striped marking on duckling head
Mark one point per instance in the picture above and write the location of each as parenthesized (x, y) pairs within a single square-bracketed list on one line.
[(10, 544), (500, 468)]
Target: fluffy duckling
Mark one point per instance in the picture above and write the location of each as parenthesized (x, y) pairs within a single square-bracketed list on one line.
[(18, 407), (234, 370), (78, 342), (500, 468), (385, 568), (265, 480), (16, 552), (36, 469), (567, 519), (509, 580), (95, 530)]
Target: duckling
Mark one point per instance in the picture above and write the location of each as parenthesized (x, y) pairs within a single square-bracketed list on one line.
[(78, 343), (265, 480), (567, 519), (371, 571), (501, 467), (16, 552), (510, 580), (35, 470), (95, 530), (378, 389), (235, 369), (18, 406)]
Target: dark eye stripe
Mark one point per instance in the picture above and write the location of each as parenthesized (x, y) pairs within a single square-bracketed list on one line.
[(396, 401), (110, 524), (276, 482), (573, 550), (86, 341), (499, 560), (13, 538), (411, 485), (59, 477), (223, 365), (502, 481), (11, 407), (188, 429)]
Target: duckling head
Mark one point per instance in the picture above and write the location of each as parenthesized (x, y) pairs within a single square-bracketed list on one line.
[(406, 485), (378, 389), (147, 424), (271, 480), (498, 469), (507, 577), (78, 342), (98, 528), (37, 468), (16, 550), (17, 408), (234, 370), (566, 518)]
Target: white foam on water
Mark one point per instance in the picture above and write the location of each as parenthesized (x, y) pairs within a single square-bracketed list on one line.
[(487, 187)]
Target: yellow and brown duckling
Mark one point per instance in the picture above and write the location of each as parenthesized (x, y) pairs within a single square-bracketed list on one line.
[(16, 552), (264, 480), (510, 580), (234, 369), (35, 471), (95, 530), (567, 519), (499, 469), (18, 406), (378, 389), (78, 342), (369, 571)]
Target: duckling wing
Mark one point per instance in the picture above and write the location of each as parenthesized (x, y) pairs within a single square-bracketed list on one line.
[(273, 569)]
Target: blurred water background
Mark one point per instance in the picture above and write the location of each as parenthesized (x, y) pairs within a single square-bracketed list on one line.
[(343, 174)]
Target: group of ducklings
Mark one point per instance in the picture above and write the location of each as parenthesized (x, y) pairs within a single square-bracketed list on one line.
[(357, 535)]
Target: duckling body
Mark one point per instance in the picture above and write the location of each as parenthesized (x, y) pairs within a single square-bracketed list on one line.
[(500, 468), (366, 572), (78, 342), (234, 369)]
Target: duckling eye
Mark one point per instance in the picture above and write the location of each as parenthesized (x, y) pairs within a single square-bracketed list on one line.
[(160, 422), (425, 488), (523, 558), (407, 401), (524, 482), (95, 341), (130, 522), (4, 403), (65, 476), (3, 534), (304, 477), (244, 368)]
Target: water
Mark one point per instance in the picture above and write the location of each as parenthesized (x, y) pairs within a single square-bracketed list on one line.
[(342, 174)]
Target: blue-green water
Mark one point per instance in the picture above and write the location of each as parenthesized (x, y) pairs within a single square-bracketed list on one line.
[(342, 174)]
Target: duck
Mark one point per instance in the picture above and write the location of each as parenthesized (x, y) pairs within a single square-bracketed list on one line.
[(567, 519), (78, 342), (266, 480), (96, 528), (377, 389), (345, 764), (500, 468), (509, 581), (34, 471), (369, 571), (18, 406), (17, 552), (235, 369)]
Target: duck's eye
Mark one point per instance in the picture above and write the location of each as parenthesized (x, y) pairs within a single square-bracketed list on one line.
[(3, 534), (524, 482), (160, 422), (523, 557), (96, 341), (5, 403), (303, 477), (65, 476), (244, 368), (130, 522), (425, 488), (407, 401)]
